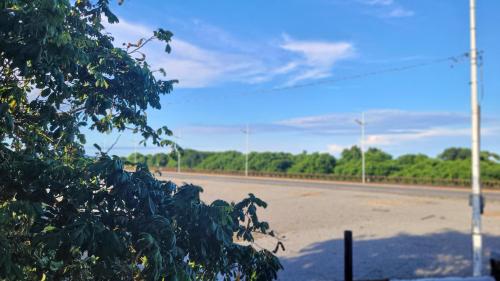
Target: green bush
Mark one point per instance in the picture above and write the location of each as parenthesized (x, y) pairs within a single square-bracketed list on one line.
[(67, 216), (453, 163)]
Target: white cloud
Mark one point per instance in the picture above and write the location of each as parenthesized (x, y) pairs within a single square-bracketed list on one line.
[(213, 129), (392, 139), (378, 121), (381, 124), (335, 149), (196, 66), (399, 13), (385, 128), (316, 58), (286, 68), (424, 135), (392, 127), (395, 139), (318, 121), (388, 8), (379, 2)]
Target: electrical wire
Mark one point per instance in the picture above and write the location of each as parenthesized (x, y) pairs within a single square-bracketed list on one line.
[(452, 59)]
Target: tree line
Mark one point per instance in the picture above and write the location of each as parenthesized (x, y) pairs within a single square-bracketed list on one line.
[(452, 163)]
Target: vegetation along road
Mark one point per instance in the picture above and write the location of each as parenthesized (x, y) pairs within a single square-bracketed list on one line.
[(451, 167), (399, 231)]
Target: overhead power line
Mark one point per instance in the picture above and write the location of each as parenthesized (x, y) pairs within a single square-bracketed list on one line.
[(453, 60)]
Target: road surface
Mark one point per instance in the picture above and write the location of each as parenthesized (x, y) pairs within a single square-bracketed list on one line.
[(399, 231), (411, 190)]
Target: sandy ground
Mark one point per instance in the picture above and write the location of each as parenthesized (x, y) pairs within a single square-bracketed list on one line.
[(395, 235)]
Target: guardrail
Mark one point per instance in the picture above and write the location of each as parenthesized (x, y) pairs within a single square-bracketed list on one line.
[(490, 184)]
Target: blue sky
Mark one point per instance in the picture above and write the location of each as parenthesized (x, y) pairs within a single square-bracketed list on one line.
[(242, 62)]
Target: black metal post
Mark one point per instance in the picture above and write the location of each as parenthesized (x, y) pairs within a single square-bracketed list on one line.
[(348, 255)]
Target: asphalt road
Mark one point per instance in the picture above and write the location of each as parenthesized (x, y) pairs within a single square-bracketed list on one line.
[(409, 190), (401, 232)]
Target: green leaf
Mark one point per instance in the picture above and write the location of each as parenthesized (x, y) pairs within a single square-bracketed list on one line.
[(67, 215)]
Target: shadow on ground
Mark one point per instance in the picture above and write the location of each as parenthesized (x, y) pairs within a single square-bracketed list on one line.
[(404, 256)]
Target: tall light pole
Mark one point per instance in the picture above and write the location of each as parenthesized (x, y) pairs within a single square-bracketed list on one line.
[(247, 133), (135, 148), (178, 158), (178, 155), (362, 124), (476, 197)]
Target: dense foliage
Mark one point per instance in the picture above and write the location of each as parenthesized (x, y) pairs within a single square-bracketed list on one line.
[(65, 216), (452, 163)]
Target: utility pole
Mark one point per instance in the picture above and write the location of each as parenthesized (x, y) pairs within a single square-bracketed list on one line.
[(178, 155), (135, 148), (476, 197), (247, 133), (362, 124), (178, 159)]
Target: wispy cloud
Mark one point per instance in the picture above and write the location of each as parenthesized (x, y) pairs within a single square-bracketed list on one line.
[(335, 148), (257, 128), (384, 127), (427, 134), (399, 13), (378, 121), (316, 58), (201, 66), (394, 127), (423, 134), (388, 8), (379, 2), (193, 65)]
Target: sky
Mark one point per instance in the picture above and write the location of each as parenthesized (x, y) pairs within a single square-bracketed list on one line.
[(300, 72)]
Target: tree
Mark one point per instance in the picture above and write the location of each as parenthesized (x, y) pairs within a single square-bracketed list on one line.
[(136, 158), (377, 155), (353, 153), (350, 162), (379, 163), (270, 161), (160, 160), (224, 161), (455, 153), (67, 216), (410, 159), (314, 163), (192, 158)]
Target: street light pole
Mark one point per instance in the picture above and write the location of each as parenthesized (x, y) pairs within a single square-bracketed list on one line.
[(135, 149), (178, 161), (476, 198), (178, 158), (362, 124), (247, 132), (178, 155)]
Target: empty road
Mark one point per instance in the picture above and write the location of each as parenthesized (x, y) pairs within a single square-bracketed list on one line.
[(399, 231)]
